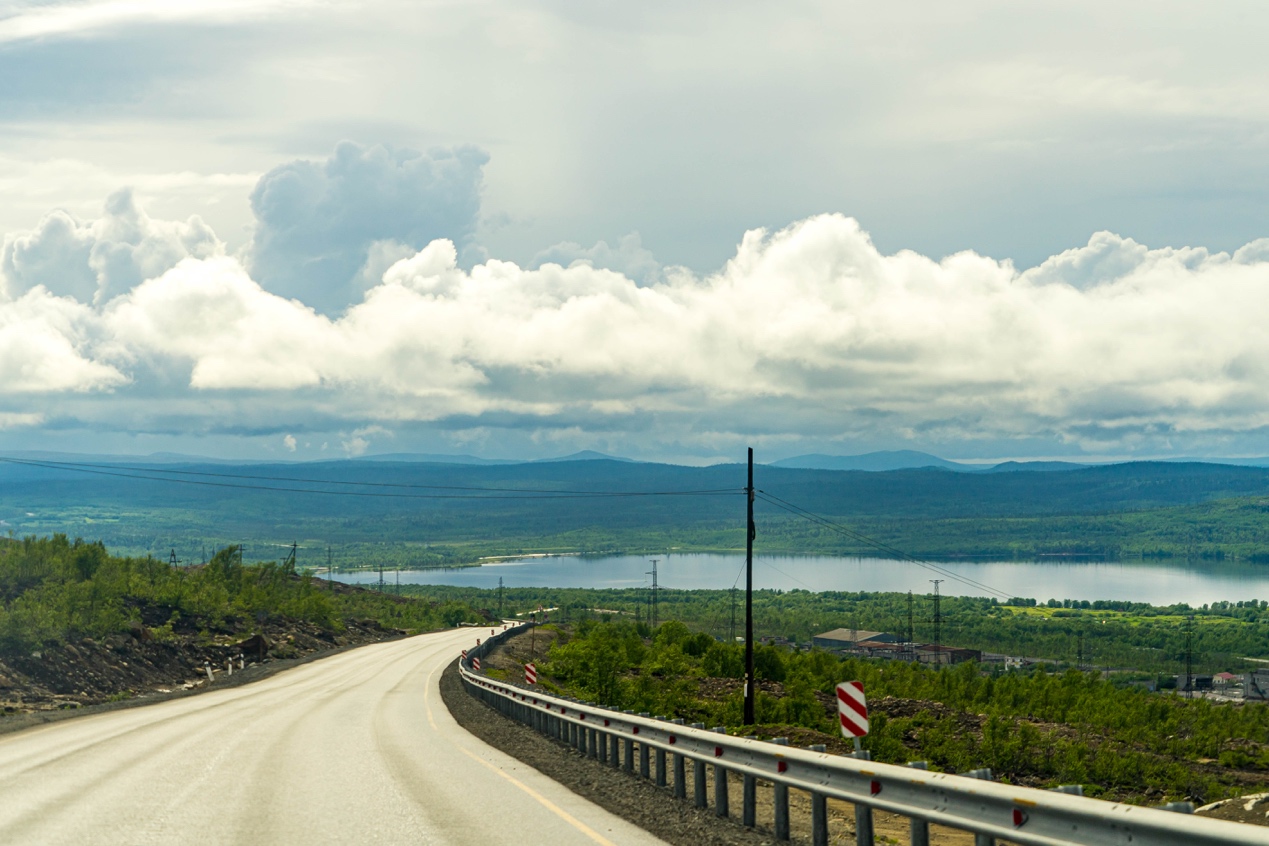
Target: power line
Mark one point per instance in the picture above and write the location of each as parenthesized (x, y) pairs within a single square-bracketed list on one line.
[(97, 470)]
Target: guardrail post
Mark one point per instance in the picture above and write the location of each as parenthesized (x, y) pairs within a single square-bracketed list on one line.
[(780, 799), (749, 796), (720, 784), (602, 737), (592, 744), (698, 776), (645, 769), (627, 757), (863, 813), (660, 758), (680, 771), (819, 810), (920, 829), (983, 773)]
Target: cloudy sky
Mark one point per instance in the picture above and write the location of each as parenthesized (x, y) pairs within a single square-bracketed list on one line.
[(313, 228)]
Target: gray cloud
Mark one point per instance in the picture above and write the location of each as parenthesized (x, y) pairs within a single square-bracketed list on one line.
[(319, 222)]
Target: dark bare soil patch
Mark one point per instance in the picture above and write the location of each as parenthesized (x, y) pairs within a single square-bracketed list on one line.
[(138, 667)]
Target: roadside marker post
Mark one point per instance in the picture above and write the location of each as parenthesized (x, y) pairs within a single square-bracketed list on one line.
[(852, 710), (475, 664), (852, 713), (530, 674)]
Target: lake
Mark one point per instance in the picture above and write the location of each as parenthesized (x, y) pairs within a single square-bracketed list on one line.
[(1197, 583)]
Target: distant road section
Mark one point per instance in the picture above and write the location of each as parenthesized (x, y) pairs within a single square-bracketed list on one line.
[(356, 748)]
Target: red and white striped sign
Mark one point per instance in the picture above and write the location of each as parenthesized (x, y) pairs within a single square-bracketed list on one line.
[(852, 709), (475, 664), (530, 674), (464, 653)]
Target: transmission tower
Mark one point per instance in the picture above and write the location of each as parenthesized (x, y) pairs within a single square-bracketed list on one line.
[(911, 632), (732, 630), (938, 622), (655, 588), (172, 559), (1189, 657)]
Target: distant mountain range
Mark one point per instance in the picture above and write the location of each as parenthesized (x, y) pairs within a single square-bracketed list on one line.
[(872, 462), (906, 459), (438, 458), (898, 459)]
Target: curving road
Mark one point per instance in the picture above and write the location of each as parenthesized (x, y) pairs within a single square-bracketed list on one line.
[(355, 748)]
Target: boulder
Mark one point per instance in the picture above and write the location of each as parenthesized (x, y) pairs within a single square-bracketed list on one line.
[(257, 645)]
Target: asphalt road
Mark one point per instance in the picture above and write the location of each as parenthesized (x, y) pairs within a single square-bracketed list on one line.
[(352, 749)]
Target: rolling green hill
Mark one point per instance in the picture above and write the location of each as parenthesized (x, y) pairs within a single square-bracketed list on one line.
[(412, 513)]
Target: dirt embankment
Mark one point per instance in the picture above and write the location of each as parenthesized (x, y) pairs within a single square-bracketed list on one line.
[(143, 665)]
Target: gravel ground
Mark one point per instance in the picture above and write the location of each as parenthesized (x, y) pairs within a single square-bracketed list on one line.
[(638, 801), (655, 809)]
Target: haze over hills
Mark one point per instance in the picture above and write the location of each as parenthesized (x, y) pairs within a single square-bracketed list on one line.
[(900, 459), (905, 459), (448, 512)]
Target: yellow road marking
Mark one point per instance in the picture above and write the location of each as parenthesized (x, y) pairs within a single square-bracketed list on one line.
[(546, 803)]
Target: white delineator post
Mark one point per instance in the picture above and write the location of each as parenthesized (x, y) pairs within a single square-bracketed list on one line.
[(530, 674), (475, 664)]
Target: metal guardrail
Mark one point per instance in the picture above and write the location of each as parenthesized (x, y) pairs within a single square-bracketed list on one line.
[(970, 802)]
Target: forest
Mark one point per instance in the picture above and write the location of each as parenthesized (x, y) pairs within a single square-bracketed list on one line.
[(1139, 642), (1036, 728)]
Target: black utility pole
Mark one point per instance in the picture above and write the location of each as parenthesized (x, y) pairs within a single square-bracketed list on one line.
[(749, 536)]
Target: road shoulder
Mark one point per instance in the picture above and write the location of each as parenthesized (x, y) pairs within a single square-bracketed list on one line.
[(633, 799)]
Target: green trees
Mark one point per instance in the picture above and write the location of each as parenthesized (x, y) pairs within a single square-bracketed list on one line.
[(1035, 728), (53, 590)]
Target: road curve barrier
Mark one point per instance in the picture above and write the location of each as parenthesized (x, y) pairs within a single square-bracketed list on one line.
[(652, 747)]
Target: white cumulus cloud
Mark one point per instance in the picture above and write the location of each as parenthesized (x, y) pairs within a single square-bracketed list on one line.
[(806, 331)]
